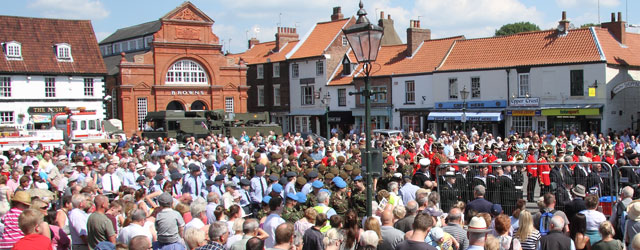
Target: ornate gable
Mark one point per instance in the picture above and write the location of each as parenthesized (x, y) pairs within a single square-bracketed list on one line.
[(230, 86), (187, 12)]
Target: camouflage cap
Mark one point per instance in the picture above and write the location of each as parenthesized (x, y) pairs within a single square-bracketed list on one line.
[(344, 175), (276, 156), (301, 180), (355, 151), (329, 176), (389, 162), (307, 171), (356, 172), (384, 155), (334, 171), (292, 157), (322, 168), (341, 158), (309, 159), (256, 154), (237, 158), (348, 167)]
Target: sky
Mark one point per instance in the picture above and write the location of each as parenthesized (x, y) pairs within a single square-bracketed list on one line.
[(238, 20)]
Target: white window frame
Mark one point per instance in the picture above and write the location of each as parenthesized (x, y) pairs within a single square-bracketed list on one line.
[(453, 88), (475, 87), (13, 50), (63, 52), (88, 87), (302, 124), (276, 70), (307, 95), (186, 72), (319, 68), (522, 124), (345, 42), (5, 86), (524, 85), (49, 87), (142, 111), (380, 97), (260, 71), (295, 70), (6, 117), (411, 121), (260, 95), (276, 95), (228, 105), (342, 97), (410, 92)]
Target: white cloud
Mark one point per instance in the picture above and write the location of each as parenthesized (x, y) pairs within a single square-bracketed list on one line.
[(581, 3), (71, 9)]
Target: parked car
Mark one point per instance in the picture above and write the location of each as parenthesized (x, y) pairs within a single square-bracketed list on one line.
[(388, 132), (314, 136)]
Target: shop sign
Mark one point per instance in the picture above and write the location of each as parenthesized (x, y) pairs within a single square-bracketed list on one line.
[(36, 110), (628, 84), (187, 92), (570, 112), (334, 119), (523, 112), (525, 102), (472, 104)]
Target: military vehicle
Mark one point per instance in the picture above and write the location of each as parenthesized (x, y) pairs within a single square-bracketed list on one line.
[(182, 124)]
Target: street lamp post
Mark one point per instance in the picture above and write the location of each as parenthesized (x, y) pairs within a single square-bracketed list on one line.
[(464, 93), (327, 102), (364, 39)]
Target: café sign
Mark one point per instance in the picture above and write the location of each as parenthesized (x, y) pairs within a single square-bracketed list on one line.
[(525, 102), (187, 92)]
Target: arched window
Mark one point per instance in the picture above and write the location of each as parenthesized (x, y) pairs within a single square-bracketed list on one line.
[(186, 72)]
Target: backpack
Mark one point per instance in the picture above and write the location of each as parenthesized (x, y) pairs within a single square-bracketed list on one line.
[(545, 222), (620, 220)]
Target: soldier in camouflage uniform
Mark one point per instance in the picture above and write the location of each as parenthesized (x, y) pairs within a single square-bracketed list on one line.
[(358, 197), (252, 165), (289, 212), (264, 211), (340, 162), (274, 167), (311, 197), (339, 200)]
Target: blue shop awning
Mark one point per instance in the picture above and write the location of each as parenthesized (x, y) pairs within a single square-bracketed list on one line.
[(471, 116)]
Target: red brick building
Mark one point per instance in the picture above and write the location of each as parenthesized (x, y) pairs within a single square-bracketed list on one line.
[(174, 63)]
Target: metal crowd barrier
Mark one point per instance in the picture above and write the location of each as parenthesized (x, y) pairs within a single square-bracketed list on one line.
[(628, 176), (506, 191)]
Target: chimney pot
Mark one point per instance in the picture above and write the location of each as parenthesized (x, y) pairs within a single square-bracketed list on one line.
[(418, 25), (619, 16), (381, 14), (389, 16), (564, 15), (613, 17)]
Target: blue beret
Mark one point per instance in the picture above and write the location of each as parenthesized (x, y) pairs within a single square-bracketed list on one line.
[(266, 199), (292, 196), (325, 190), (276, 188), (317, 184), (302, 198), (357, 178), (341, 184), (337, 179)]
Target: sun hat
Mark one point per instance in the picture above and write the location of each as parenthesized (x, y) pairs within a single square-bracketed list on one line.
[(478, 225), (633, 211), (579, 190), (22, 197)]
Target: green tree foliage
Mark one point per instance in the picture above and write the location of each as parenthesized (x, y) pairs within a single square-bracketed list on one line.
[(514, 28), (587, 25)]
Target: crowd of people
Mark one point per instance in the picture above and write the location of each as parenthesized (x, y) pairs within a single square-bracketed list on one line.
[(450, 190)]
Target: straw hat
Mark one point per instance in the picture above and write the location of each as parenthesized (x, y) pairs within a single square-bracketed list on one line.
[(22, 197), (478, 225), (633, 211)]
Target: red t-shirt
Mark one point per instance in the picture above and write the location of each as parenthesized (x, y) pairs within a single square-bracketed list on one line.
[(33, 241)]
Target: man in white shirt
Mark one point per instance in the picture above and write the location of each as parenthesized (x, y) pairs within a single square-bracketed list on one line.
[(110, 182), (199, 214), (273, 221), (135, 228), (78, 221)]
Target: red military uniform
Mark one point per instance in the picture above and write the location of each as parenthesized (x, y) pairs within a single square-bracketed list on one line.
[(490, 159), (532, 169), (543, 172)]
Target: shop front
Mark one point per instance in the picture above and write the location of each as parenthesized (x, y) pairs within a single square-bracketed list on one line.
[(341, 122), (586, 118), (413, 119), (484, 116), (380, 118), (40, 117)]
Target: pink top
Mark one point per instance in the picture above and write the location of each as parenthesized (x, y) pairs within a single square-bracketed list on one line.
[(59, 239), (12, 232)]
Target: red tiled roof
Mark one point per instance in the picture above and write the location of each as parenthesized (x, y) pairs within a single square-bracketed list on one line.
[(38, 36), (260, 52), (616, 53), (393, 60), (320, 38), (523, 49)]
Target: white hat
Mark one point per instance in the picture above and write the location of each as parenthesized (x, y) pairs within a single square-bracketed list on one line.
[(424, 162), (478, 225)]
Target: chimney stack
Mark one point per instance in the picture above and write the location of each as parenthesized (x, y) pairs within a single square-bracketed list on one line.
[(285, 35), (415, 36), (253, 41), (617, 28), (337, 14), (390, 36), (563, 26)]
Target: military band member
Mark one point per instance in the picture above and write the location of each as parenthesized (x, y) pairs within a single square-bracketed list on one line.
[(463, 182), (493, 185), (508, 193), (450, 194), (543, 172), (532, 172)]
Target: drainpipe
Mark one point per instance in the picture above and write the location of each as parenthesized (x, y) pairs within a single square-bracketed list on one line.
[(508, 102)]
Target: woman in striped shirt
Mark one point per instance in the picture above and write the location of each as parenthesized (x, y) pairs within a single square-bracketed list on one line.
[(526, 233)]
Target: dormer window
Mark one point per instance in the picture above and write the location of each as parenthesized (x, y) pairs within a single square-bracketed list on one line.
[(13, 50), (346, 66), (63, 52)]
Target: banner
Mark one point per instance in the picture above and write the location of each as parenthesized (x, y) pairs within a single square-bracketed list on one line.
[(563, 112)]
